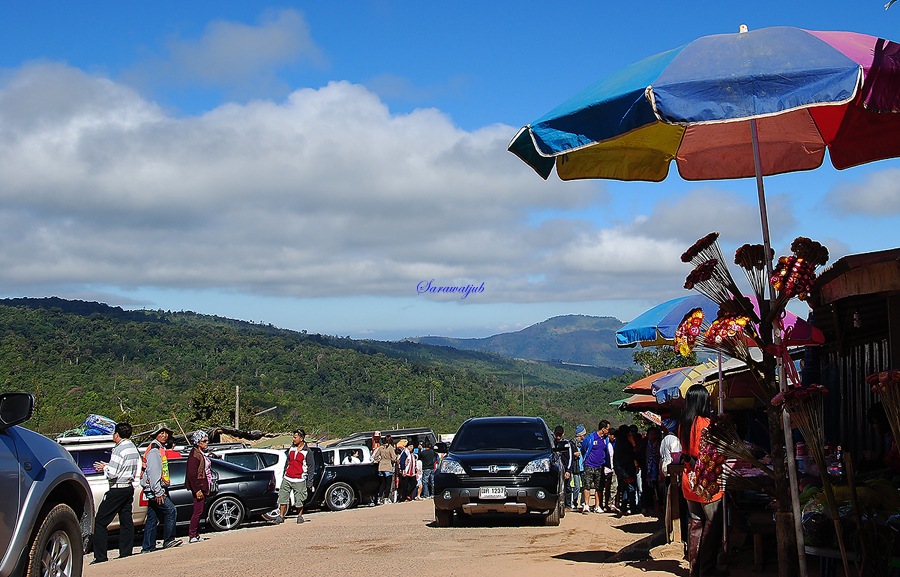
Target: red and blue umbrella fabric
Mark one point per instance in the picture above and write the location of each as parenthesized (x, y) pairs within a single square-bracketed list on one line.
[(644, 385), (657, 326), (806, 91), (753, 103)]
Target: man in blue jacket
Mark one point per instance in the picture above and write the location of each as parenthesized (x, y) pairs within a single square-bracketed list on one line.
[(593, 450)]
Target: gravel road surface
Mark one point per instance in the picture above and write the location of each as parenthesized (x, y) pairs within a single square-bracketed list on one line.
[(400, 539)]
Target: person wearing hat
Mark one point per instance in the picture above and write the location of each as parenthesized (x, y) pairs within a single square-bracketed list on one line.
[(407, 469), (577, 466), (155, 483), (197, 479)]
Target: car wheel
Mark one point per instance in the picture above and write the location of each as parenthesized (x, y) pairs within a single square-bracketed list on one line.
[(225, 513), (552, 520), (56, 549), (339, 496), (443, 518)]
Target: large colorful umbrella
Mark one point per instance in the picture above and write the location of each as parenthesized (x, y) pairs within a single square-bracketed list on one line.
[(638, 403), (657, 326), (754, 103), (741, 390), (645, 385), (668, 388)]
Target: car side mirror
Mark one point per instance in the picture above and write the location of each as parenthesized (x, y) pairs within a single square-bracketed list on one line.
[(15, 408), (441, 447)]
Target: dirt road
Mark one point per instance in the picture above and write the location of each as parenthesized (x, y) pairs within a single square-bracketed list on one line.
[(401, 540)]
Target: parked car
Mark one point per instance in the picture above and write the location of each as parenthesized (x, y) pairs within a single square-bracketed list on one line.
[(88, 450), (500, 465), (274, 460), (340, 487), (47, 511), (242, 494), (337, 487)]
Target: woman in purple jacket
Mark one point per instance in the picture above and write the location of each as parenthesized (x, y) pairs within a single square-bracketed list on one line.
[(197, 480)]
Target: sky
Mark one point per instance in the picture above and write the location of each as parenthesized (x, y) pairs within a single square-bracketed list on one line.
[(315, 165)]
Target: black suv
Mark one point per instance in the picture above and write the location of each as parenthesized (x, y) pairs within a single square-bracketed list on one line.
[(500, 465)]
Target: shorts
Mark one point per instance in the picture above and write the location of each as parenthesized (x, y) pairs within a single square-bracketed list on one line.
[(592, 478), (298, 488)]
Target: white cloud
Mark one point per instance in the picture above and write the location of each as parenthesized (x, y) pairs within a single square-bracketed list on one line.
[(879, 195), (324, 194), (234, 56)]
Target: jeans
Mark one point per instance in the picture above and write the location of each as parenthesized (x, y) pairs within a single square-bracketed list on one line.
[(387, 482), (427, 476), (576, 489), (155, 512), (115, 502)]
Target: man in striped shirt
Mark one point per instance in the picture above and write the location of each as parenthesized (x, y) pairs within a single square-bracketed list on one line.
[(121, 472)]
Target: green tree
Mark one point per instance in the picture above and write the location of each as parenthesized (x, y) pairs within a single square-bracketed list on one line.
[(656, 359), (212, 404)]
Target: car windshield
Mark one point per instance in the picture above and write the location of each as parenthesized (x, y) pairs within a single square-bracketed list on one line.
[(480, 436)]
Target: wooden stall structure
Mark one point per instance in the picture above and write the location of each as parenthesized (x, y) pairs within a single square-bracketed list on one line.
[(856, 303)]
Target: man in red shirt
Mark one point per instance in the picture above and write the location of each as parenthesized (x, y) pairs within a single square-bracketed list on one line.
[(295, 477)]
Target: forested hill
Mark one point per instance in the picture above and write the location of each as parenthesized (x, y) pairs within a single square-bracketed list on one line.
[(579, 339), (80, 358)]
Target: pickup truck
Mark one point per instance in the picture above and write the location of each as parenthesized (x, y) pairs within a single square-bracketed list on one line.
[(47, 509), (337, 487)]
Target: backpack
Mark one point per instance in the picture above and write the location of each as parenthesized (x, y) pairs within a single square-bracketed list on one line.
[(164, 478)]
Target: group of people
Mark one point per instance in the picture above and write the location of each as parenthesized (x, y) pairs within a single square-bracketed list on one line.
[(620, 467), (625, 470), (128, 470), (406, 475), (405, 472)]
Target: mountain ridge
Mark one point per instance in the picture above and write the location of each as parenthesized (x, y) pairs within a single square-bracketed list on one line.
[(570, 339), (81, 358)]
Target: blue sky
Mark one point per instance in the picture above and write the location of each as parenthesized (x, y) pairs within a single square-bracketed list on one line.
[(309, 164)]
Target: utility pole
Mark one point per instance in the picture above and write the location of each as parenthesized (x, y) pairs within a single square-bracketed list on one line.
[(523, 394), (237, 394)]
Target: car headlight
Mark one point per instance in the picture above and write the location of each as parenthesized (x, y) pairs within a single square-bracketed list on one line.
[(537, 466), (451, 467)]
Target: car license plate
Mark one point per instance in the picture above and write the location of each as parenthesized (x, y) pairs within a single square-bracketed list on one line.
[(492, 493)]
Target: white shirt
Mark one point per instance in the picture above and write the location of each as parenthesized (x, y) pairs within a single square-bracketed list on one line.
[(669, 448), (610, 454)]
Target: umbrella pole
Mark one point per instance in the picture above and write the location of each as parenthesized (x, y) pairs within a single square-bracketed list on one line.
[(721, 391), (721, 394), (782, 380)]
